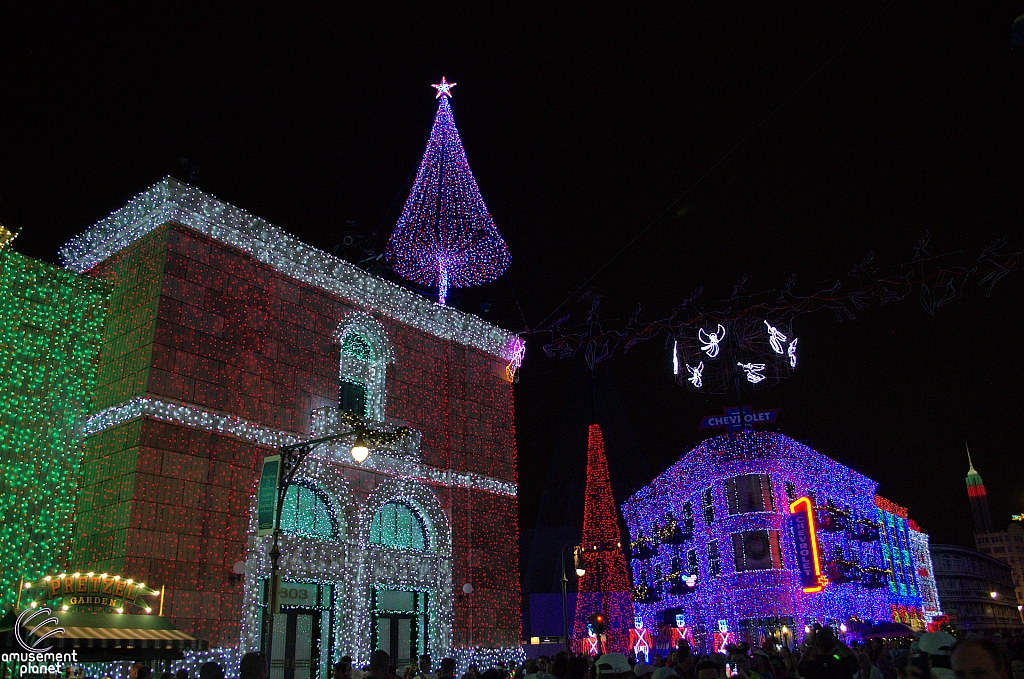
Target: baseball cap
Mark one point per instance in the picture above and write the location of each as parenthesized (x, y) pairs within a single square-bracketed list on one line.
[(612, 663), (643, 668), (935, 643), (665, 673)]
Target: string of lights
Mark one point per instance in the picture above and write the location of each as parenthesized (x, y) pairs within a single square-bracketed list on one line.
[(928, 278), (604, 587), (171, 201), (50, 326), (736, 542)]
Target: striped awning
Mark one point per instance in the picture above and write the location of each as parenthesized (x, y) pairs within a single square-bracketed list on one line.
[(121, 638)]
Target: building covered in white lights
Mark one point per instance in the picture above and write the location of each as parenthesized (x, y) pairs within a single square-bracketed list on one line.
[(227, 338)]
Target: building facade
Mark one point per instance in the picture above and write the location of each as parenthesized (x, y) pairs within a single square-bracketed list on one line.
[(50, 326), (1007, 545), (976, 590), (227, 338), (751, 536)]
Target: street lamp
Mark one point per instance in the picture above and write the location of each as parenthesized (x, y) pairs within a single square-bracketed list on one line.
[(291, 458), (359, 450), (994, 594), (580, 572)]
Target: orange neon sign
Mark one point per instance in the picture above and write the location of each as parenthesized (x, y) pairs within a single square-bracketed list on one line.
[(808, 558)]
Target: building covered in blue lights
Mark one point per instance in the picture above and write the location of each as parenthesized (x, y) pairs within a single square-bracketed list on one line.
[(725, 548)]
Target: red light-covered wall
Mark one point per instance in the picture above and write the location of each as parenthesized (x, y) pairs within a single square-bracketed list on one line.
[(197, 321)]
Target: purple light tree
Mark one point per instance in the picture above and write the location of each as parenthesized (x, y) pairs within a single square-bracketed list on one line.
[(445, 237)]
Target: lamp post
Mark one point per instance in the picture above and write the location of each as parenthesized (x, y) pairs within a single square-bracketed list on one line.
[(292, 457), (580, 572)]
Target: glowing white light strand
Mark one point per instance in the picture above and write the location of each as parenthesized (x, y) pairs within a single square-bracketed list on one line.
[(695, 375), (753, 371), (775, 338), (675, 357), (173, 201), (791, 352), (399, 466), (710, 341)]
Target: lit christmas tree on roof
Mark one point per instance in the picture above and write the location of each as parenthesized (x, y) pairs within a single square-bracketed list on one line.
[(445, 237)]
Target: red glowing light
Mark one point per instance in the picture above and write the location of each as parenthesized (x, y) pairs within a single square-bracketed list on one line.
[(804, 505)]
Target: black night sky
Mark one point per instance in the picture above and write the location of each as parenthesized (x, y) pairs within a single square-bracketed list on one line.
[(881, 120)]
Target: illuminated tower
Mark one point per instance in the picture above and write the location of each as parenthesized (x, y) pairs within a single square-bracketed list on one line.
[(605, 586), (979, 500)]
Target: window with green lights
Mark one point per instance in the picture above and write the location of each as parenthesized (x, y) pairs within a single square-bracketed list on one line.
[(306, 513), (398, 526)]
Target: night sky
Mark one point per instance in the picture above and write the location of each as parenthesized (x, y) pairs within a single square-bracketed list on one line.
[(859, 126)]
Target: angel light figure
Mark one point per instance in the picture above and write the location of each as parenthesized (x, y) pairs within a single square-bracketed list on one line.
[(775, 338), (695, 374), (753, 371), (710, 341)]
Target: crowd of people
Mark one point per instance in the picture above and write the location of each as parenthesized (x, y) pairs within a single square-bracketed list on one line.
[(933, 655)]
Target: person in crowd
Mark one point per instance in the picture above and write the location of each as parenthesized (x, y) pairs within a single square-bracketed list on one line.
[(426, 668), (708, 669), (665, 673), (472, 672), (642, 669), (447, 669), (865, 669), (761, 664), (930, 656), (133, 671), (380, 665), (881, 658), (826, 657), (410, 671), (977, 658), (254, 666), (181, 674), (577, 667), (494, 673), (166, 674), (686, 664), (613, 666), (738, 662), (559, 665)]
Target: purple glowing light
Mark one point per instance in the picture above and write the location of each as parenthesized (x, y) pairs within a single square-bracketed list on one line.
[(445, 237)]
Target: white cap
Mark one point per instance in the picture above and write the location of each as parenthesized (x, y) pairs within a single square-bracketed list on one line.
[(934, 643)]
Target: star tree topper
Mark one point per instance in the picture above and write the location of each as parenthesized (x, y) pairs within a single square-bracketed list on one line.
[(444, 88)]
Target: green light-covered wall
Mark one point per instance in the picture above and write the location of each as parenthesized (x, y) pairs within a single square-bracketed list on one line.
[(51, 321)]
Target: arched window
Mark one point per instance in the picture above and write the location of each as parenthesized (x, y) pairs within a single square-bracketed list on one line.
[(365, 353), (396, 525), (354, 344), (307, 513)]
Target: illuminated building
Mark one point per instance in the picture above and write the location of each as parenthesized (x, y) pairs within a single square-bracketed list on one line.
[(50, 325), (1006, 545), (227, 338), (752, 535)]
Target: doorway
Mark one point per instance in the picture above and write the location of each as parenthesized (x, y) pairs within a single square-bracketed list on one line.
[(399, 624), (296, 644)]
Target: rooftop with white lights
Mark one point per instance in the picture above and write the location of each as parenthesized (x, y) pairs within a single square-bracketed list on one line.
[(173, 201)]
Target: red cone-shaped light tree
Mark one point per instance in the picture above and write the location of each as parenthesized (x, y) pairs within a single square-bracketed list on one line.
[(605, 586), (445, 237)]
